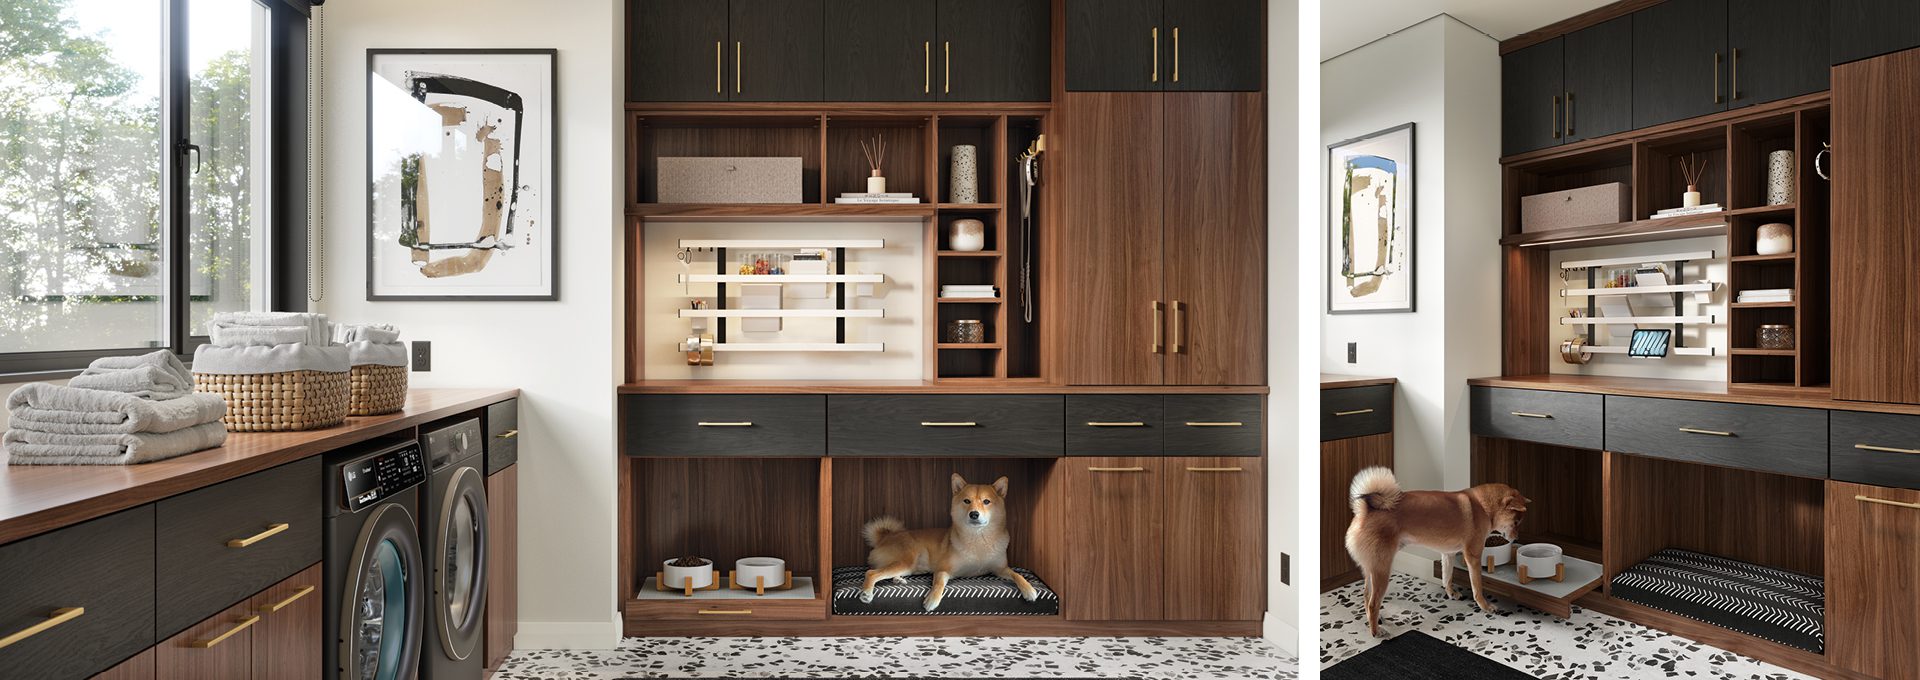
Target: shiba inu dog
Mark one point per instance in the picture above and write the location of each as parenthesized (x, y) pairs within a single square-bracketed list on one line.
[(975, 545), (1386, 518)]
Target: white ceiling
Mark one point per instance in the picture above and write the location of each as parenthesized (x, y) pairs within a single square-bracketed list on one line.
[(1347, 24)]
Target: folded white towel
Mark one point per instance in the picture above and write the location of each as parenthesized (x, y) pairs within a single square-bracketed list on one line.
[(231, 335), (154, 375), (365, 332), (65, 410), (363, 353), (315, 324), (256, 360), (25, 447)]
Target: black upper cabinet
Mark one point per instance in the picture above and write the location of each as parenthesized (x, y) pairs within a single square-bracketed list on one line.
[(1214, 45), (1870, 28), (677, 49), (880, 50), (992, 51), (1599, 81), (1114, 46), (777, 50), (1777, 49), (1680, 61), (1531, 101)]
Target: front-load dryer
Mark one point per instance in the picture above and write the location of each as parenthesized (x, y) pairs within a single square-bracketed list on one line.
[(454, 533), (375, 571)]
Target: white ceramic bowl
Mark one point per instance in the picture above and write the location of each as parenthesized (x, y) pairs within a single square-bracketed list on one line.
[(1501, 554), (681, 577), (1540, 559), (746, 569)]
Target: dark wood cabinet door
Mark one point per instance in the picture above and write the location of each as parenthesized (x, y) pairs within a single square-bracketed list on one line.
[(1214, 239), (1876, 322), (675, 51), (1110, 179), (1340, 460), (1213, 45), (287, 640), (777, 53), (503, 564), (1116, 46), (1216, 510), (1873, 552), (1598, 73), (1117, 542), (221, 646), (880, 50), (1870, 28), (1680, 61), (994, 51), (1532, 97), (1777, 49)]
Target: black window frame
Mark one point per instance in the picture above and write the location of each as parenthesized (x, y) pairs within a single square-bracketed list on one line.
[(286, 193)]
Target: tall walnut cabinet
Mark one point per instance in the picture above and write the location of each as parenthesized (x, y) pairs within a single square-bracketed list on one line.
[(1876, 311)]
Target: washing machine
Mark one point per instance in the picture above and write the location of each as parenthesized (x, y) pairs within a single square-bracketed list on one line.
[(376, 583), (454, 532)]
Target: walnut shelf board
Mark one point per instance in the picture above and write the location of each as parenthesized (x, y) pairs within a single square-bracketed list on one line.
[(943, 386), (1698, 390), (1639, 231), (1334, 381), (765, 210), (1552, 597), (802, 590)]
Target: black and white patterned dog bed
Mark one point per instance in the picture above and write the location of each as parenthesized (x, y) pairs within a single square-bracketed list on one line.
[(973, 596), (1772, 604)]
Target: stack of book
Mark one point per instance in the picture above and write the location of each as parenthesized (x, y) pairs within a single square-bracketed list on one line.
[(1681, 212), (969, 291), (1766, 295), (852, 197)]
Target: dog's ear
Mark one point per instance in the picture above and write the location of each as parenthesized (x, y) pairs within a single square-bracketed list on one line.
[(1516, 502), (1000, 487), (958, 481)]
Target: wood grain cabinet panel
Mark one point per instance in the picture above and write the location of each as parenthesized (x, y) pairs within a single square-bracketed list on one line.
[(1215, 532), (1114, 46), (1213, 239), (1214, 45), (946, 425), (287, 640), (1680, 61), (1791, 441), (220, 646), (1532, 97), (218, 545), (503, 435), (723, 425), (1356, 412), (1558, 418), (95, 579), (1876, 319), (1872, 557), (1875, 448), (1112, 179), (1598, 73), (1118, 540), (503, 564), (678, 51), (777, 51), (1213, 425), (1776, 49), (1340, 460), (881, 50), (994, 51), (140, 667), (1870, 28), (1114, 424)]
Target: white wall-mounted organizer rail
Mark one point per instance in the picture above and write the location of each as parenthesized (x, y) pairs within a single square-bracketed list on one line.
[(701, 345), (1616, 298)]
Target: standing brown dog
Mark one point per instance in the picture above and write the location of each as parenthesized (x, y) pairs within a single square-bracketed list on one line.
[(975, 545), (1386, 518)]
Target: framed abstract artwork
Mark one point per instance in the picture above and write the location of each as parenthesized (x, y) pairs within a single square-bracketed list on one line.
[(462, 175), (1370, 182)]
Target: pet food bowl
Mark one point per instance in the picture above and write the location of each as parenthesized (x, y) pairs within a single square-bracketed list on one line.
[(1501, 554), (683, 577), (747, 569), (1540, 559)]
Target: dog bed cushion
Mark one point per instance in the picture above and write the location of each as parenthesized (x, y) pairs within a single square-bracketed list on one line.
[(1785, 607), (973, 596)]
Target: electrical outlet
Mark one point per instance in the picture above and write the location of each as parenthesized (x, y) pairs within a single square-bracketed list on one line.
[(1353, 352), (422, 355), (1286, 569)]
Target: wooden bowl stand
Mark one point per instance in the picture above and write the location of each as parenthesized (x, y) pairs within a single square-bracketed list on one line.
[(1559, 573), (660, 584), (759, 583)]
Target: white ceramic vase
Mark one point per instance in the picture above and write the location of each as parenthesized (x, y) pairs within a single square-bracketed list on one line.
[(967, 235), (1780, 177), (749, 572), (963, 175), (681, 577), (1773, 238)]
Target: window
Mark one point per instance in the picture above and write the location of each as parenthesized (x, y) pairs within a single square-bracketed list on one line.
[(136, 172)]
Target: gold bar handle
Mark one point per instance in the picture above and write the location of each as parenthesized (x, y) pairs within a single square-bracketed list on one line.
[(208, 643), (717, 78), (726, 611), (59, 616), (1569, 117), (1133, 423), (1553, 117), (1116, 469), (283, 604), (1888, 449), (926, 67), (736, 66), (1883, 501), (256, 538), (1158, 324), (946, 70), (742, 423), (968, 423), (1176, 54), (1156, 55), (1525, 414), (1733, 88), (1214, 469), (1695, 430), (1363, 411), (1716, 77), (509, 434), (1179, 338), (1234, 423)]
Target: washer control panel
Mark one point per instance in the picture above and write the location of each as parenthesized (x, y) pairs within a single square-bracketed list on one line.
[(377, 476)]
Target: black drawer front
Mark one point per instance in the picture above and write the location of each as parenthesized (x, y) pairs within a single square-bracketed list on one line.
[(679, 425), (1213, 425), (503, 435), (104, 567), (1881, 449), (1790, 441), (1356, 412), (201, 565), (1027, 426), (1113, 425), (1560, 418)]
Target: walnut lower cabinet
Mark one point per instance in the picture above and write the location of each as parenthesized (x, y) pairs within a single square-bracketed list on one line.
[(275, 634), (1165, 539), (1873, 560)]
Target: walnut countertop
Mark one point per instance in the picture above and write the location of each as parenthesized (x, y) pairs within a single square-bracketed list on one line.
[(1334, 381)]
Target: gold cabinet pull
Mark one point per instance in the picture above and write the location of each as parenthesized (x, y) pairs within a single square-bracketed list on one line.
[(1716, 77), (1179, 338), (1224, 423), (57, 617), (1130, 423), (1553, 117), (736, 66), (741, 423), (926, 67), (726, 611), (1116, 469), (1214, 469), (946, 85), (716, 67), (967, 423), (1158, 324), (241, 625), (283, 604), (256, 538), (1883, 501), (1888, 449), (1156, 55), (1716, 433), (1176, 54), (1363, 411), (1733, 87), (1569, 117), (1525, 414), (509, 434)]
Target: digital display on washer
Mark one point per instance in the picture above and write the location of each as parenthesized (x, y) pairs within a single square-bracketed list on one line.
[(374, 477)]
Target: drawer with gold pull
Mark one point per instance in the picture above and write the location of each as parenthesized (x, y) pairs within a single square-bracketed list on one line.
[(1882, 449), (1113, 424), (783, 425), (77, 600), (1212, 425), (947, 425), (1351, 412), (1544, 416), (1789, 441), (220, 544), (743, 607), (503, 435)]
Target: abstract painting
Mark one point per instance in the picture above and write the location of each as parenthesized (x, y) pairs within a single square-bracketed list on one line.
[(1370, 223), (461, 175)]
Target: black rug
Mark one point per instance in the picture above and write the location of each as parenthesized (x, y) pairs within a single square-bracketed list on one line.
[(974, 596), (1418, 656), (1772, 604)]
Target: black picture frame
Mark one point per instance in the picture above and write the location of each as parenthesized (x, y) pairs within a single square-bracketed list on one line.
[(1412, 187)]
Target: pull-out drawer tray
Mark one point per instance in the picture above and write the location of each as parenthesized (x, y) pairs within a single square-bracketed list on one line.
[(1789, 441), (1882, 449), (1561, 418)]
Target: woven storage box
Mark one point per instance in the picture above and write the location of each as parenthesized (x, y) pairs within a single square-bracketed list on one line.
[(729, 180), (377, 389), (1597, 204), (279, 402)]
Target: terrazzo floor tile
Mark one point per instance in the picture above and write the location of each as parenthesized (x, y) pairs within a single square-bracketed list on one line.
[(1011, 657), (1589, 645)]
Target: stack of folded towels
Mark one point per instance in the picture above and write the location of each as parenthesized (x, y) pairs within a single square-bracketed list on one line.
[(120, 410), (252, 343)]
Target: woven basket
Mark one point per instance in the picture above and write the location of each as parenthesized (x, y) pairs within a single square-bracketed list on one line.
[(279, 402), (377, 389)]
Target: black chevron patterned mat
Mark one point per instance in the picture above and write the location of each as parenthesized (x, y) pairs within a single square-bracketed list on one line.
[(1781, 606), (972, 596)]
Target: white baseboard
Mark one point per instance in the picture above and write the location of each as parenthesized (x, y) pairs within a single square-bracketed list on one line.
[(568, 634), (1280, 634)]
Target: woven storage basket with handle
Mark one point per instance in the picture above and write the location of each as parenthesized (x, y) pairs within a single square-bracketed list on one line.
[(377, 389), (279, 402)]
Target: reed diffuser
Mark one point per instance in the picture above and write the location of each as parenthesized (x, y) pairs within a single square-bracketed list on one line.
[(1692, 167), (876, 152)]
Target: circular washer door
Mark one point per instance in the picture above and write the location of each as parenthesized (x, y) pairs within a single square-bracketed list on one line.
[(381, 629), (460, 567)]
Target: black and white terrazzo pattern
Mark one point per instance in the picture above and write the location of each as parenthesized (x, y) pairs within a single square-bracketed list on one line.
[(1009, 657), (1589, 645)]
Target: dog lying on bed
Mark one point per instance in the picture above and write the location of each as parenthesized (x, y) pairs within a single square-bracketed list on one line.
[(1386, 518), (975, 545)]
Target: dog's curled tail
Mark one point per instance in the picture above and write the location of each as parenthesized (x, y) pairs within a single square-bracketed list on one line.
[(880, 528), (1373, 489)]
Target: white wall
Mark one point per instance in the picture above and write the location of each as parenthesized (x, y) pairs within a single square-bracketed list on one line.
[(1287, 333), (563, 355)]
